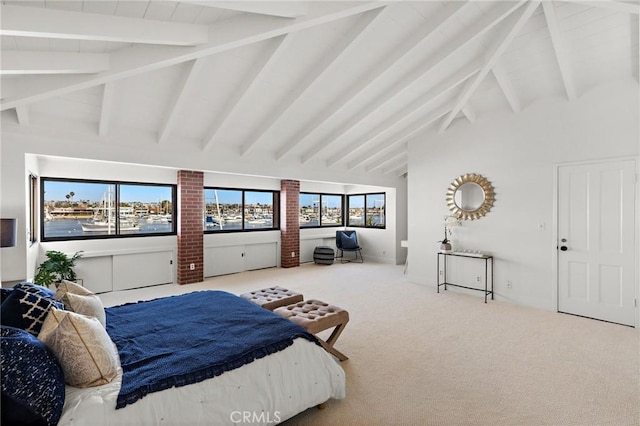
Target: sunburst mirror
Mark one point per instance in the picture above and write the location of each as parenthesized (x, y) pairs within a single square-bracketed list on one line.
[(470, 196)]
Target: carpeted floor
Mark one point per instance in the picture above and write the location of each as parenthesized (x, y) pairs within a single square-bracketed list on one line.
[(422, 358)]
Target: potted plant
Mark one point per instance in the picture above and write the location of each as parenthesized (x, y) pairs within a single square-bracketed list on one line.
[(445, 245), (57, 267), (449, 222)]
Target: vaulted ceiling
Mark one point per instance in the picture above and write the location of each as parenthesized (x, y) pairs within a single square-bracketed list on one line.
[(331, 85)]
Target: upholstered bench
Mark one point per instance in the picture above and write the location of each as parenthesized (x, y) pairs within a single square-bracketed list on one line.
[(316, 316), (273, 297)]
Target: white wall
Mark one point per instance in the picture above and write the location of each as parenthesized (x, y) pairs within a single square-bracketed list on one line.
[(518, 154)]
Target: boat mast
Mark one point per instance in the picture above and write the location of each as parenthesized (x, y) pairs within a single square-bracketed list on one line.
[(215, 194)]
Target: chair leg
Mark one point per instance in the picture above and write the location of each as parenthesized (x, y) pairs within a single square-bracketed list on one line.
[(355, 259)]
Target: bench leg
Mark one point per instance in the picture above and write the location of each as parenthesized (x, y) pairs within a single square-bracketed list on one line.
[(328, 345), (333, 351)]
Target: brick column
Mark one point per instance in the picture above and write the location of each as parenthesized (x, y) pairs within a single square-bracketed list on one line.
[(289, 223), (190, 232)]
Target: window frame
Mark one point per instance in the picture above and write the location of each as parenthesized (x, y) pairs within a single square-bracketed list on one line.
[(364, 219), (320, 195), (117, 234), (34, 210), (275, 222)]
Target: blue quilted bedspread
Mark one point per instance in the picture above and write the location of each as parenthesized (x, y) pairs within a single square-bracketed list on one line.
[(178, 340)]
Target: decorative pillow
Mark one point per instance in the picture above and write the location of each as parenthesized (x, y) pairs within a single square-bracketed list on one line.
[(4, 293), (32, 380), (82, 346), (81, 301), (26, 310), (348, 241), (35, 289)]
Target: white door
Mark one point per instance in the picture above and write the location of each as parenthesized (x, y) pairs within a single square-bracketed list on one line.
[(596, 249)]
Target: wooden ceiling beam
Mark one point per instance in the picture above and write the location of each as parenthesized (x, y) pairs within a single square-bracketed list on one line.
[(469, 113), (392, 166), (506, 87), (138, 59), (282, 9), (38, 62), (22, 112), (398, 171), (270, 56), (106, 109), (402, 118), (386, 161), (502, 46), (179, 99), (559, 48), (617, 6), (339, 50), (399, 138), (430, 64), (409, 47), (63, 24)]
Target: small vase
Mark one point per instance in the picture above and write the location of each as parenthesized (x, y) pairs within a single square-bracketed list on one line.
[(445, 248)]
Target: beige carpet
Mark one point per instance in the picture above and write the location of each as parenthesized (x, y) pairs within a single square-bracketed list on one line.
[(422, 358)]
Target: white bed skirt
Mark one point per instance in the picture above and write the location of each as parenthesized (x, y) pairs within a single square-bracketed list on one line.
[(264, 392)]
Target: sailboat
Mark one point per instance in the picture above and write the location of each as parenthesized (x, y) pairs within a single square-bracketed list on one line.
[(104, 219)]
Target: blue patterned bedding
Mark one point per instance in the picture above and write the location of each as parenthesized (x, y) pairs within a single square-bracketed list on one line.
[(33, 389), (178, 340)]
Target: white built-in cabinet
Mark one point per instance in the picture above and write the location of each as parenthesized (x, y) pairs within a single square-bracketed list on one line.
[(104, 272), (101, 273), (237, 258)]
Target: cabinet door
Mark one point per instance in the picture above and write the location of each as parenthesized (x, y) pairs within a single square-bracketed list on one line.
[(142, 269), (258, 256), (96, 273), (223, 260)]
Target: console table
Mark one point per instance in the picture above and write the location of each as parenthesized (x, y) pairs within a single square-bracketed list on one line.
[(486, 258)]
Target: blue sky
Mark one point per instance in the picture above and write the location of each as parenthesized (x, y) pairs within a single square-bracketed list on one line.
[(57, 191), (313, 199), (227, 196)]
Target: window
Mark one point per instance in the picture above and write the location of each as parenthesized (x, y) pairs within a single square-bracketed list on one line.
[(81, 209), (33, 209), (320, 210), (229, 210), (366, 210)]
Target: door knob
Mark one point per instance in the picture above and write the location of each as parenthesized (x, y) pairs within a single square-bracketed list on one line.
[(563, 248)]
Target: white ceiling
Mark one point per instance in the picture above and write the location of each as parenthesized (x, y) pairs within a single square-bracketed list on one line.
[(331, 85)]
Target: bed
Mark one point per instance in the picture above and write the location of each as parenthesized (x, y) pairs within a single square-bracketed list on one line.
[(266, 382)]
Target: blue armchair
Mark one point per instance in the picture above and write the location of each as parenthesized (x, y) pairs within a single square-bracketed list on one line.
[(348, 241)]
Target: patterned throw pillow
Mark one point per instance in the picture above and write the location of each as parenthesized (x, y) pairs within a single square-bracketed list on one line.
[(33, 389), (81, 301), (83, 347), (27, 310), (35, 289)]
